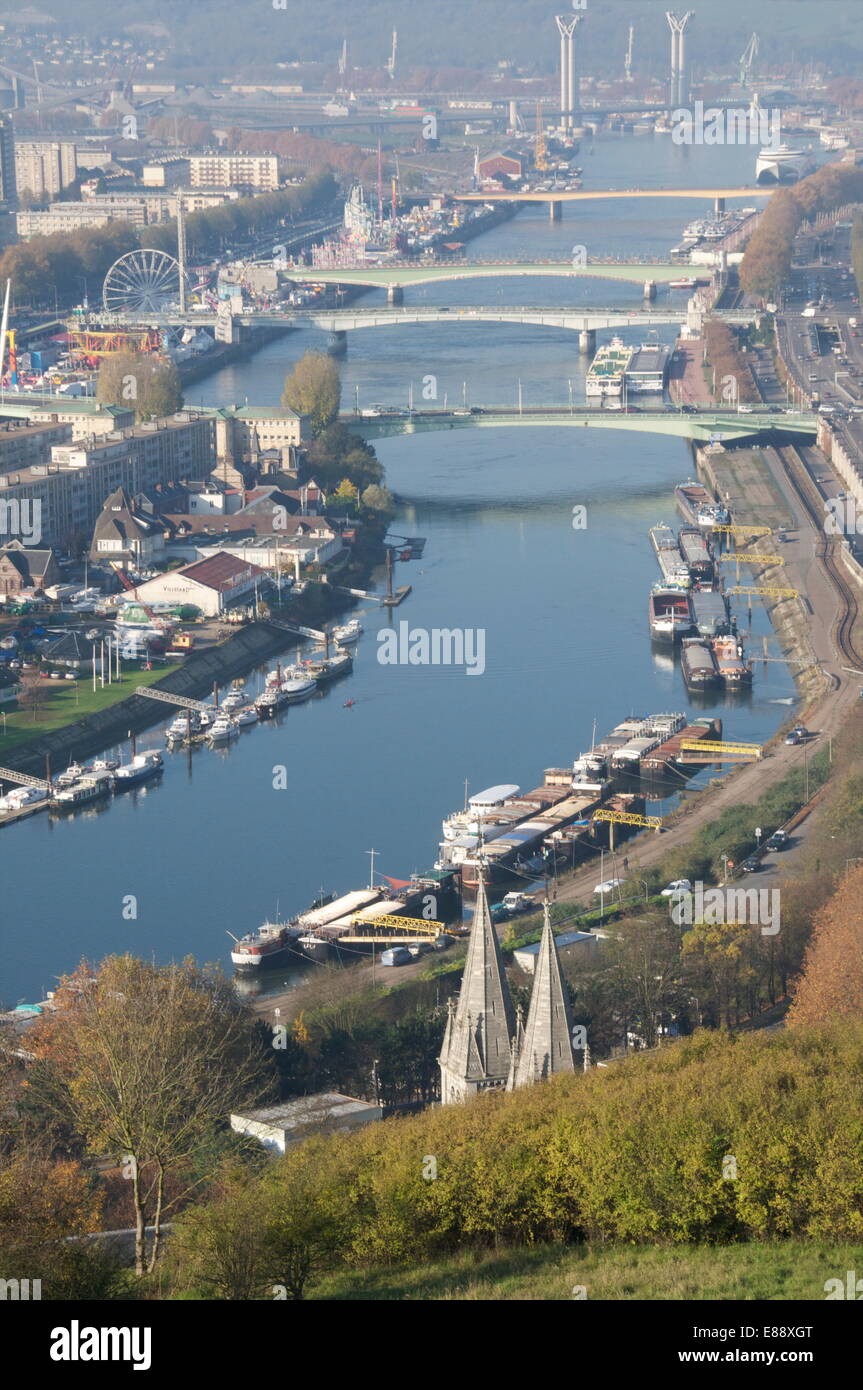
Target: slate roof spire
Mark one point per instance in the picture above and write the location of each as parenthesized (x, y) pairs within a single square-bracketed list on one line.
[(546, 1045)]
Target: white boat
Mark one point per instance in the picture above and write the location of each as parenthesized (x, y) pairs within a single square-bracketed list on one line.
[(180, 727), (782, 165), (246, 716), (142, 767), (206, 717), (478, 813), (222, 729), (297, 688), (74, 772), (103, 765), (348, 632), (237, 699), (88, 789)]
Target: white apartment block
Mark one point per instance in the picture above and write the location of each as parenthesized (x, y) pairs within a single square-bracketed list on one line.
[(259, 171)]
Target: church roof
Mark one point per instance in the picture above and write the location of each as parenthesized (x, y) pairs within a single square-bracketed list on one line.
[(479, 1031), (546, 1046)]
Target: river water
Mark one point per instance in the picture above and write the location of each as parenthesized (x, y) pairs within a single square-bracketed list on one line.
[(214, 847)]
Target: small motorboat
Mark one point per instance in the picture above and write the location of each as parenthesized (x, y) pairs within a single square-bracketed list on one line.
[(348, 632), (222, 729), (236, 700), (246, 716)]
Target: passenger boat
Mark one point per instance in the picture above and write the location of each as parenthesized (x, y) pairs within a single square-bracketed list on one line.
[(734, 672), (478, 811), (142, 768), (698, 664), (669, 614)]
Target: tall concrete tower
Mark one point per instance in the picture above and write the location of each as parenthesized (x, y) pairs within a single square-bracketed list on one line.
[(569, 94), (678, 94)]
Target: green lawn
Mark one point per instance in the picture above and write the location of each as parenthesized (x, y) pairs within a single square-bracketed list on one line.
[(68, 701), (779, 1272)]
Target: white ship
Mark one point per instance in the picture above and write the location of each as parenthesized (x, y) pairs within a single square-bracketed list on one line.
[(782, 165), (478, 813), (606, 372)]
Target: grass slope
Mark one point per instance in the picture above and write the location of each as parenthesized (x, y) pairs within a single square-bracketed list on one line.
[(735, 1273)]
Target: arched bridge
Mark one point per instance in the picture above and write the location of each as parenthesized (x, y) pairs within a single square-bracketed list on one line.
[(399, 275), (697, 424)]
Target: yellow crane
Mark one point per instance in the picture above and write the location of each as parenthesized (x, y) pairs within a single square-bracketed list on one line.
[(742, 530), (769, 590), (717, 751), (613, 818), (749, 557)]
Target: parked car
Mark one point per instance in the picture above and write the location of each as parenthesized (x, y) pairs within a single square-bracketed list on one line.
[(778, 840), (397, 955), (793, 738), (676, 886), (608, 886), (751, 865)]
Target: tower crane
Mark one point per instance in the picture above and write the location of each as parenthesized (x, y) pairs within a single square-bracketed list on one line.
[(746, 59), (627, 63)]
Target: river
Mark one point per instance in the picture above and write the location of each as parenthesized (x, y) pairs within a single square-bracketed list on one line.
[(214, 848)]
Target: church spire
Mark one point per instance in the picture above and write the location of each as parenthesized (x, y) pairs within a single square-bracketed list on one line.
[(546, 1047), (476, 1046)]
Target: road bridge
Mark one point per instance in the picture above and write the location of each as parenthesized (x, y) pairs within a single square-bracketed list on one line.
[(701, 425), (402, 274)]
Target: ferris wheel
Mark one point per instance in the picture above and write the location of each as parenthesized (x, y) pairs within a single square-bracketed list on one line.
[(144, 281)]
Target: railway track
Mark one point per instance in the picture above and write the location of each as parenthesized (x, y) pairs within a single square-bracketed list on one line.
[(845, 624)]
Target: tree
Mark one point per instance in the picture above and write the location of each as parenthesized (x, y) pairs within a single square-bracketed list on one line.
[(378, 499), (155, 1058), (831, 985), (147, 384), (33, 694), (314, 389)]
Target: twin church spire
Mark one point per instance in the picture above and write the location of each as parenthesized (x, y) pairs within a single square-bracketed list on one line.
[(486, 1045)]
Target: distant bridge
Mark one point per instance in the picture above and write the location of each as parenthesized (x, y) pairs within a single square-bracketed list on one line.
[(700, 424), (583, 195), (401, 274)]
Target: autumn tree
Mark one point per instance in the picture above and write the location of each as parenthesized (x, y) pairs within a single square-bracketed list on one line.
[(154, 1058), (146, 383), (831, 985), (314, 389)]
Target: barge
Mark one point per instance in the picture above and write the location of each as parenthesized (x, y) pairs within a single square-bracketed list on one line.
[(675, 573), (669, 614), (734, 672), (696, 553), (698, 663), (710, 612), (698, 508)]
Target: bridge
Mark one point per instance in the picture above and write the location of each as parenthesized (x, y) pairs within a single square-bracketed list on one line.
[(702, 425), (342, 321), (556, 197), (399, 274)]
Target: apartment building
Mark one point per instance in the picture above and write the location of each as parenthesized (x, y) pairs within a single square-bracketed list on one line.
[(45, 167), (23, 443), (71, 489), (259, 171)]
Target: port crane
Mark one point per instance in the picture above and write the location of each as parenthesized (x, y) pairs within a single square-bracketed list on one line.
[(749, 557), (694, 751), (742, 530), (613, 818), (768, 590), (746, 60), (627, 62), (391, 61)]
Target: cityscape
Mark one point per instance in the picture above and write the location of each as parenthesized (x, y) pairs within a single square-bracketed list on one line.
[(431, 663)]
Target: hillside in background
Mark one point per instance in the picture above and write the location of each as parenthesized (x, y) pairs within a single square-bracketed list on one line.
[(228, 35)]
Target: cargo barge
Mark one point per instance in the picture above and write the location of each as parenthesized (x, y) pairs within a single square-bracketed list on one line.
[(521, 850), (734, 672), (710, 612), (698, 664), (696, 553), (669, 614), (663, 760), (698, 508), (675, 572)]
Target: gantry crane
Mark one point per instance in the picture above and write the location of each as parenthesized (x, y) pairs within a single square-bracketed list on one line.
[(746, 60)]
